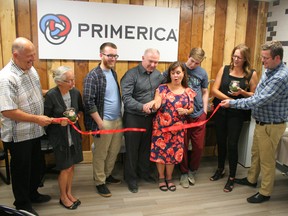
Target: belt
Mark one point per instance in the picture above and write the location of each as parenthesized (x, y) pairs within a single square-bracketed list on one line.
[(268, 123)]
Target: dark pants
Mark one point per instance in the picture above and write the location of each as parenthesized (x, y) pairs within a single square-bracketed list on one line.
[(228, 123), (25, 171), (197, 137), (137, 145)]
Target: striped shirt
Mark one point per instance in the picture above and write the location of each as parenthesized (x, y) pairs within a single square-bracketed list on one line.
[(270, 100), (19, 90)]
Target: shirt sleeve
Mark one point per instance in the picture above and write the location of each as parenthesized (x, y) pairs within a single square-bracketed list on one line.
[(266, 93), (89, 95), (127, 85)]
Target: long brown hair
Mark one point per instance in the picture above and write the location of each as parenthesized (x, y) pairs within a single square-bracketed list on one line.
[(245, 52)]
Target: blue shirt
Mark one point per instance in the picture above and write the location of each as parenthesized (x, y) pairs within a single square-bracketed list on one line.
[(112, 108), (270, 100), (94, 95), (197, 80)]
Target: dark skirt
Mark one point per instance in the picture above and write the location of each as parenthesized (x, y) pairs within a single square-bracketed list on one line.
[(67, 157)]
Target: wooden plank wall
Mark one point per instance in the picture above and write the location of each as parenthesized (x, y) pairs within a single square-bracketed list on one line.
[(215, 25)]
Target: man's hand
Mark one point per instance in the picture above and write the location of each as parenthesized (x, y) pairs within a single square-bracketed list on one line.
[(43, 120), (225, 103), (147, 108)]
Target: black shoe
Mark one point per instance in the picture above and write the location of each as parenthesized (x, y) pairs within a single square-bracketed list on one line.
[(28, 211), (72, 207), (112, 180), (103, 190), (133, 188), (229, 185), (244, 181), (258, 198), (77, 202), (41, 198), (149, 179), (218, 174)]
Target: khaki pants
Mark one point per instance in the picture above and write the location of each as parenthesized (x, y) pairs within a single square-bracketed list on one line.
[(265, 142), (106, 149)]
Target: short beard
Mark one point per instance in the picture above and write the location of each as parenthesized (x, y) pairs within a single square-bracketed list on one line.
[(109, 66)]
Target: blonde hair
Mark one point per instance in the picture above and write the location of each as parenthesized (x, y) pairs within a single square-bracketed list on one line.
[(197, 53)]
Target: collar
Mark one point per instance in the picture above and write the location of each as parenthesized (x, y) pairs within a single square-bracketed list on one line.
[(17, 70), (270, 72), (142, 70)]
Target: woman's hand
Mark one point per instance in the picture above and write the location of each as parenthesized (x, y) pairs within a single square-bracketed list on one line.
[(182, 111), (239, 92), (64, 122)]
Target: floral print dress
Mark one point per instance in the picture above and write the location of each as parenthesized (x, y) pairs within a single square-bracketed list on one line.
[(167, 147)]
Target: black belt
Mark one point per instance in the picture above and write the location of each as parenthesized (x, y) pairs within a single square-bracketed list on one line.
[(268, 123)]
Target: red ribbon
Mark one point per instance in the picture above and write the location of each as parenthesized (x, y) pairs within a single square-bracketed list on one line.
[(58, 120), (190, 125)]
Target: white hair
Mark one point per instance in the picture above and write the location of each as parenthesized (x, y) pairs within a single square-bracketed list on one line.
[(59, 74)]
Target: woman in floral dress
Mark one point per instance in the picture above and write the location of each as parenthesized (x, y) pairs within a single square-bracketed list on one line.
[(173, 100)]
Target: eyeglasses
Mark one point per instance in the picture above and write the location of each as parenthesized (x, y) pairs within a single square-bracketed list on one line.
[(69, 81), (238, 57), (110, 56), (265, 58)]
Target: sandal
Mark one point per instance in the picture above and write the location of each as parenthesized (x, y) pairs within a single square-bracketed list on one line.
[(162, 187), (220, 172), (171, 186), (229, 185)]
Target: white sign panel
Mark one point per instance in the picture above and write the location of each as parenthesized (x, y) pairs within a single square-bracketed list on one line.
[(76, 30)]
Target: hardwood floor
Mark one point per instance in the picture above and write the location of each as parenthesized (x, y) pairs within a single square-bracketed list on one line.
[(205, 198)]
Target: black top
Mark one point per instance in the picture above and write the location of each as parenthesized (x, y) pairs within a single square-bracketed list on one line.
[(54, 106)]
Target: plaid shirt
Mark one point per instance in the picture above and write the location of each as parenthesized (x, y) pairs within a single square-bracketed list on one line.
[(93, 95), (270, 100), (19, 90)]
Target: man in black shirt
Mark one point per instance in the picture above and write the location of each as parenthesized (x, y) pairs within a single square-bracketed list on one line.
[(138, 88)]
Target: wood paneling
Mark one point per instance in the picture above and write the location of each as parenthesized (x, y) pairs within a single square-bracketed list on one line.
[(8, 29), (1, 56), (215, 25), (219, 37), (197, 24), (208, 34), (185, 29), (40, 65), (230, 30), (22, 15), (260, 35), (241, 22)]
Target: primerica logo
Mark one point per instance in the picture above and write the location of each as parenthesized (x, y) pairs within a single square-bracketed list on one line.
[(55, 27), (127, 32)]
